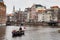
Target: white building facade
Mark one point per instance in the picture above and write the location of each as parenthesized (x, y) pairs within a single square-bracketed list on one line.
[(36, 14), (44, 17)]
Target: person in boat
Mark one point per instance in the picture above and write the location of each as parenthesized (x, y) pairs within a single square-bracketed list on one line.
[(22, 28)]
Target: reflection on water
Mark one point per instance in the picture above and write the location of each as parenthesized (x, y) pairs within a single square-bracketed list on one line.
[(2, 32), (34, 33)]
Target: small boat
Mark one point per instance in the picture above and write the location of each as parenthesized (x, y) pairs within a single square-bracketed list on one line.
[(17, 33)]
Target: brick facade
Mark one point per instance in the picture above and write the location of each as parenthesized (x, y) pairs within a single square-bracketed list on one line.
[(2, 13)]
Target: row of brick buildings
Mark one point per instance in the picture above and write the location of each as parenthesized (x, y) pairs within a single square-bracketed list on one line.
[(36, 13), (2, 12), (39, 13)]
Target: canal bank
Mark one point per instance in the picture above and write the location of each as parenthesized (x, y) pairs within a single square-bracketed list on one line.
[(2, 32)]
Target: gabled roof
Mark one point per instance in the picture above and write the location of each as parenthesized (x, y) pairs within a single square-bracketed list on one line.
[(55, 7)]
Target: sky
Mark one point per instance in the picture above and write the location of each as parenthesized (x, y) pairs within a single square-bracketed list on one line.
[(22, 4)]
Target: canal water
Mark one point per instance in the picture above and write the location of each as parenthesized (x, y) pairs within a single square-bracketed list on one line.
[(33, 33)]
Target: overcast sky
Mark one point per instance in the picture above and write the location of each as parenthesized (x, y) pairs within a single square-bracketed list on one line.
[(28, 3)]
